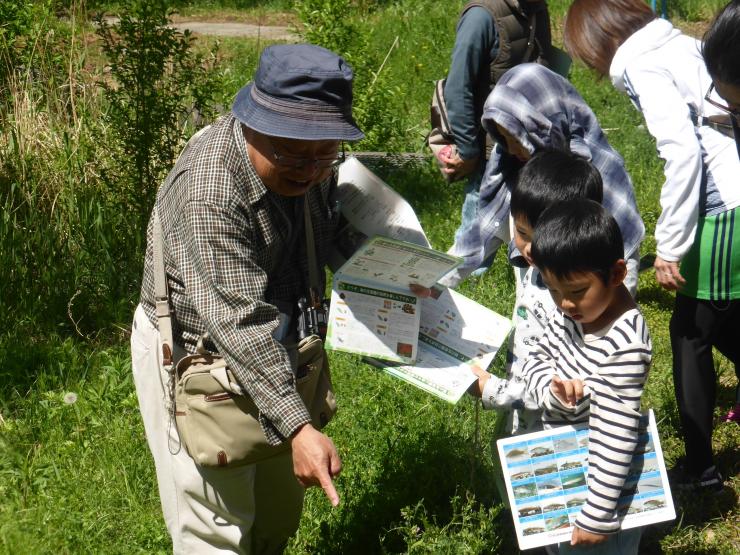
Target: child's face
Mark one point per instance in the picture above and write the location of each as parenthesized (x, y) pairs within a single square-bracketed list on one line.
[(523, 233), (585, 297), (513, 146)]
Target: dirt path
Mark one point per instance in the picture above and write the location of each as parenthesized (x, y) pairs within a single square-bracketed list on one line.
[(238, 30), (232, 29)]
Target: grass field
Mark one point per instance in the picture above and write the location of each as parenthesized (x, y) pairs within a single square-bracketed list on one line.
[(75, 472)]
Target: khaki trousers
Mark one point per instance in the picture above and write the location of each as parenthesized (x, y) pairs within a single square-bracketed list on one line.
[(252, 509)]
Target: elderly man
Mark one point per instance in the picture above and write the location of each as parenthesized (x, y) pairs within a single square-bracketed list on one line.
[(235, 257)]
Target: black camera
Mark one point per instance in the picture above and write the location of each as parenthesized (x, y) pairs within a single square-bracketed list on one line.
[(312, 318)]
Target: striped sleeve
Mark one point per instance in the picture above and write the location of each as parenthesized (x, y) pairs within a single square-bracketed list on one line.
[(615, 391), (541, 364)]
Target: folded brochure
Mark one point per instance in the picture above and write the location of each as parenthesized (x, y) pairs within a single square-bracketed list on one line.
[(373, 310), (455, 333)]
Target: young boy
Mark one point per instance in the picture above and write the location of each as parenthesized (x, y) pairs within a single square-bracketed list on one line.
[(592, 362), (548, 178)]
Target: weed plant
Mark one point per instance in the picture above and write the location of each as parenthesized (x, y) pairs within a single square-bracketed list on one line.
[(75, 472)]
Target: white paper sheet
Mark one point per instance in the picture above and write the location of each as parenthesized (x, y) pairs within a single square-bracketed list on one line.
[(448, 346), (369, 207)]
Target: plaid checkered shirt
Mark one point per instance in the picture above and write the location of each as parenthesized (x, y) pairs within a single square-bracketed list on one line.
[(234, 252)]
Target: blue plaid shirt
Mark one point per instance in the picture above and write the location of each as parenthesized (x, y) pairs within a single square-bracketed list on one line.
[(543, 111)]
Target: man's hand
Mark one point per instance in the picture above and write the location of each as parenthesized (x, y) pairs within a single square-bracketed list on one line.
[(420, 290), (316, 461), (455, 167), (667, 274), (567, 391), (476, 388), (581, 537)]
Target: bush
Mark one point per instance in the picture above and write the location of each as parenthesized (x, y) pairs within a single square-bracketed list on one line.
[(326, 24), (158, 84)]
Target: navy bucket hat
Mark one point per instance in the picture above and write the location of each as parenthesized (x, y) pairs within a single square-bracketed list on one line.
[(300, 91)]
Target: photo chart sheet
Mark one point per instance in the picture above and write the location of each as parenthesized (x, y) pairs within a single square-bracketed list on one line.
[(546, 473)]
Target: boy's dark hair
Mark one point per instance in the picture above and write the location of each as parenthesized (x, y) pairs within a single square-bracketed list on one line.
[(721, 45), (551, 177), (577, 236)]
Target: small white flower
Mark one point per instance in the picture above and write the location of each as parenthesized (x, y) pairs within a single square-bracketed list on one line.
[(70, 398)]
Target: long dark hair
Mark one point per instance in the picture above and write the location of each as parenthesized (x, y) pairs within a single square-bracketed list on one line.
[(722, 45)]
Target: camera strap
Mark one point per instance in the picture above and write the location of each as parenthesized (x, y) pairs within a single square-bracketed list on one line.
[(161, 294), (313, 268)]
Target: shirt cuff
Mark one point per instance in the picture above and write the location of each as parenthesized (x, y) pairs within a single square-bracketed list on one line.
[(290, 413), (500, 393), (668, 257)]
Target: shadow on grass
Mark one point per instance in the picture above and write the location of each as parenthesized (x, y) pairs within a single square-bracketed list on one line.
[(656, 295), (50, 361), (429, 467), (419, 182), (697, 508)]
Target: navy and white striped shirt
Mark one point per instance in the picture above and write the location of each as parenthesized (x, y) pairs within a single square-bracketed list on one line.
[(613, 363)]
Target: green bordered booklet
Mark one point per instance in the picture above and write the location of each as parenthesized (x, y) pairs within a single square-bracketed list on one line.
[(455, 333), (373, 310)]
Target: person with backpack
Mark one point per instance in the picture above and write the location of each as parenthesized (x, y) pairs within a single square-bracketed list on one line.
[(492, 37)]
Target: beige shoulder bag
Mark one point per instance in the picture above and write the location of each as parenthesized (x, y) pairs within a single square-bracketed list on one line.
[(217, 421)]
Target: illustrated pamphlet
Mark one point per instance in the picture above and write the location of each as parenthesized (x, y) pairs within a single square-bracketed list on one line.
[(455, 333), (546, 472), (373, 310), (369, 207)]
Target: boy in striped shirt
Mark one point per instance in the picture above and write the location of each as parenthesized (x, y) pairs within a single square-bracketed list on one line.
[(592, 362)]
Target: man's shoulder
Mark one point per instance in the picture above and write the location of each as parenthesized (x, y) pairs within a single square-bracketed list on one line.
[(212, 169)]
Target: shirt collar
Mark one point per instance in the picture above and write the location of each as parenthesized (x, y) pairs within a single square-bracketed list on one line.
[(256, 190)]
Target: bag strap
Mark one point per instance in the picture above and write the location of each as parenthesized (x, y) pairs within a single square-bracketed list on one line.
[(161, 294), (313, 267)]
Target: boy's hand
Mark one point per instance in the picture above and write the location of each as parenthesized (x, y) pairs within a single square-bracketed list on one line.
[(420, 290), (581, 537), (567, 391), (476, 388)]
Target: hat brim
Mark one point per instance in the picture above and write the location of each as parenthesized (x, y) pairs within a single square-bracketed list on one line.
[(297, 126)]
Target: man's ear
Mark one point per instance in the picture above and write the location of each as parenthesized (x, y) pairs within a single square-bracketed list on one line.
[(618, 272)]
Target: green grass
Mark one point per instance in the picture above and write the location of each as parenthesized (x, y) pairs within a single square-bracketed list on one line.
[(418, 478)]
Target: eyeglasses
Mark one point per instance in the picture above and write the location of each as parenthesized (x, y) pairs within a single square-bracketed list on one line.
[(300, 162), (733, 112)]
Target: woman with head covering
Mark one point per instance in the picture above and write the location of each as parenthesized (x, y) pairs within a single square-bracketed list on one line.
[(533, 109), (698, 247)]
